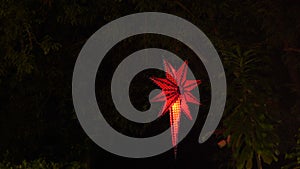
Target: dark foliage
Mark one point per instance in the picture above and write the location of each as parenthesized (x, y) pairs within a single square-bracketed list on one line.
[(258, 42)]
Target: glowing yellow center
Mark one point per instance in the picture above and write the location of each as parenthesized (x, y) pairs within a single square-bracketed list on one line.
[(174, 119)]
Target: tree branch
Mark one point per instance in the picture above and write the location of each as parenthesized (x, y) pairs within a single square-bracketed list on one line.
[(292, 50)]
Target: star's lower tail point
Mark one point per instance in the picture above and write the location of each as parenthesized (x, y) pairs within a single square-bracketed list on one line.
[(174, 121)]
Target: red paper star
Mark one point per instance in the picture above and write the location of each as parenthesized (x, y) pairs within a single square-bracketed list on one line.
[(176, 91)]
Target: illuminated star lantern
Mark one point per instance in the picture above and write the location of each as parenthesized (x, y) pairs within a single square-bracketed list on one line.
[(176, 94)]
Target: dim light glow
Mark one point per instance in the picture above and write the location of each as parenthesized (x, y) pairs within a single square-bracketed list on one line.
[(176, 89)]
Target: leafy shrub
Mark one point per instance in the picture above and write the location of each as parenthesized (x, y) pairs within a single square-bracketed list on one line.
[(294, 156), (41, 164)]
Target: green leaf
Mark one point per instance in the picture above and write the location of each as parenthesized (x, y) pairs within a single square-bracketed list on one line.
[(249, 164), (267, 158)]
